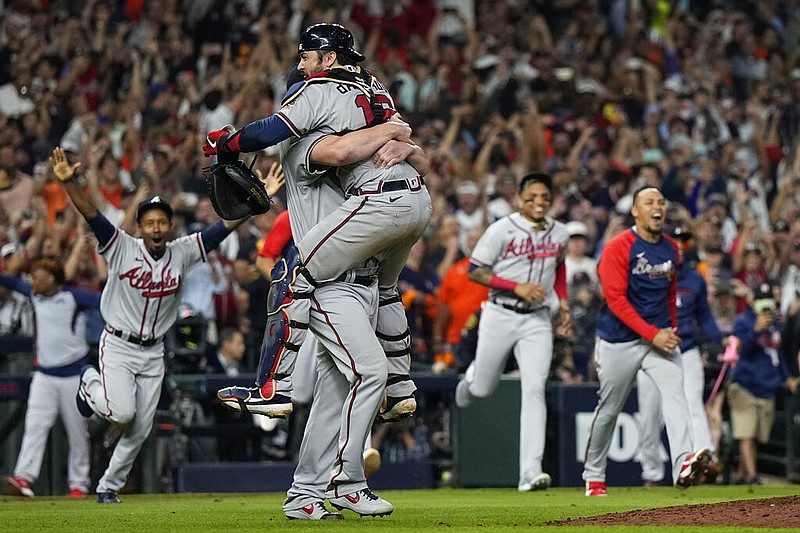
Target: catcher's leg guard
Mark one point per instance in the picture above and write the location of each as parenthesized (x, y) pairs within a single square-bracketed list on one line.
[(395, 338), (287, 325)]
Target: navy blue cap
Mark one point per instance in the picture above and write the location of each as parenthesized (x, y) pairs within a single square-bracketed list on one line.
[(154, 202)]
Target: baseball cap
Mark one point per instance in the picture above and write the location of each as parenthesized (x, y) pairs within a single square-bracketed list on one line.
[(763, 291), (154, 202), (468, 187), (717, 198), (576, 228), (681, 233), (674, 83), (9, 248), (763, 298)]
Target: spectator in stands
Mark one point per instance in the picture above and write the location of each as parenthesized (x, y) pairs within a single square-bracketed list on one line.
[(15, 314), (16, 187), (577, 259), (756, 378), (470, 214), (457, 298)]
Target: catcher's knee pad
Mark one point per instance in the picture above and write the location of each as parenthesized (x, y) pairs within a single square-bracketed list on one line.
[(288, 307), (395, 339)]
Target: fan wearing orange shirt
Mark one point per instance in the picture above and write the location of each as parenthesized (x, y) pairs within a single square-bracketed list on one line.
[(457, 299)]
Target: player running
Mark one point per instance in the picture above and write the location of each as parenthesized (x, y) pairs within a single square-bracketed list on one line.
[(637, 329), (521, 259), (61, 352), (139, 304)]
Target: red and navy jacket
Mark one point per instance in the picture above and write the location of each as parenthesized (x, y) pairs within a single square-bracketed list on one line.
[(639, 280)]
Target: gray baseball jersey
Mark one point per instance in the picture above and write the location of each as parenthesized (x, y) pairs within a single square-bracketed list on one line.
[(347, 108), (515, 251), (140, 303), (142, 295), (61, 350), (385, 213)]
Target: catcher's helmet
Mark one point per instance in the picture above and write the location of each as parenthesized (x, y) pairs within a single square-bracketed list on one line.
[(333, 37)]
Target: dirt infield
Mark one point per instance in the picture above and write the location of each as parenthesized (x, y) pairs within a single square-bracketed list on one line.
[(781, 512)]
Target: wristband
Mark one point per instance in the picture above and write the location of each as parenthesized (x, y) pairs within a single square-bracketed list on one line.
[(496, 282)]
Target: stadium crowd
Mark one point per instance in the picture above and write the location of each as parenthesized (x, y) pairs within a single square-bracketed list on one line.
[(699, 98)]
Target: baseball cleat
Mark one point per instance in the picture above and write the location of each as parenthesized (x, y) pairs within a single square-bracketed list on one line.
[(312, 511), (596, 488), (251, 401), (372, 461), (364, 503), (712, 469), (76, 494), (463, 396), (108, 497), (540, 482), (397, 408), (18, 486), (80, 398), (692, 468)]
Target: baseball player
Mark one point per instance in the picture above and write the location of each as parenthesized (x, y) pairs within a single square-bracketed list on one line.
[(351, 368), (637, 330), (139, 304), (384, 213), (278, 243), (694, 317), (521, 259), (60, 355)]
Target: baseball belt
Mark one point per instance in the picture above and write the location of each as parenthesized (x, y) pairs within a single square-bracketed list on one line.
[(129, 337), (413, 184)]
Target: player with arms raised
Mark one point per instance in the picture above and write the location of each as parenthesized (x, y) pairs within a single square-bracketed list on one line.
[(139, 304)]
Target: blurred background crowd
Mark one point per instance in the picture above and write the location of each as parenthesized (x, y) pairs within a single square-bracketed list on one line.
[(700, 98)]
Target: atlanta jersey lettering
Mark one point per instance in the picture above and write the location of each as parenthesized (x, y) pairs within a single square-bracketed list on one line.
[(639, 284), (516, 252), (142, 295)]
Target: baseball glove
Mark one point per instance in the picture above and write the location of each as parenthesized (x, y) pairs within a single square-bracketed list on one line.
[(235, 191)]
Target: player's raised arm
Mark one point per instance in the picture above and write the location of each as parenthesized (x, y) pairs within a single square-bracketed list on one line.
[(65, 173)]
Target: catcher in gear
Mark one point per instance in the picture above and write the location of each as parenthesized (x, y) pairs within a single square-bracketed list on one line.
[(297, 279)]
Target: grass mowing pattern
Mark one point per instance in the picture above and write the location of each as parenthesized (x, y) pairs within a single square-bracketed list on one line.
[(483, 510)]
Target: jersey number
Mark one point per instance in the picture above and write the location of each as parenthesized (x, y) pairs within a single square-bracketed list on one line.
[(363, 103)]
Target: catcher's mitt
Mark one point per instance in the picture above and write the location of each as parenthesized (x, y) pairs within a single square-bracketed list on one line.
[(235, 191)]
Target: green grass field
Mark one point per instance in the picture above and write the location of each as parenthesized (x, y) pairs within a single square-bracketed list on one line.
[(483, 510)]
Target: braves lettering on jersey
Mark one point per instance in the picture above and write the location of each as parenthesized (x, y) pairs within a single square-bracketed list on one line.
[(637, 278), (142, 295), (515, 252)]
